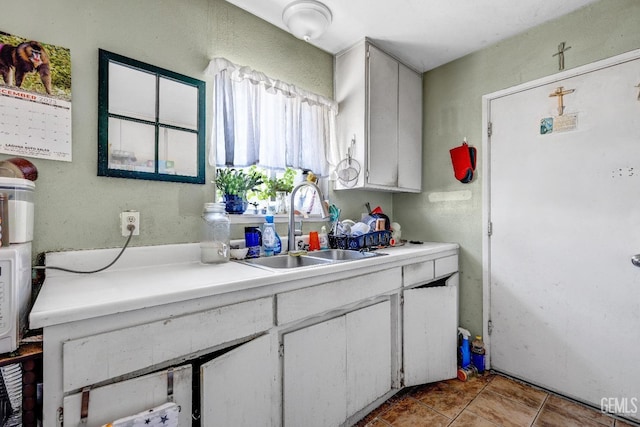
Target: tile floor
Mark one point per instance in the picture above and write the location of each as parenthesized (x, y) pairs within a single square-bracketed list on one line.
[(488, 401)]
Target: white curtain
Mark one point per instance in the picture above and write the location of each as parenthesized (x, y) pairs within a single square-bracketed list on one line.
[(259, 120)]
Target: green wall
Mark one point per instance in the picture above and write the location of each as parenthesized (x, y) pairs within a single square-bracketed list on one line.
[(453, 110), (76, 209)]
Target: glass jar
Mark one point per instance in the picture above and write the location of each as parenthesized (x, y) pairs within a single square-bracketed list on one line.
[(281, 202), (216, 229)]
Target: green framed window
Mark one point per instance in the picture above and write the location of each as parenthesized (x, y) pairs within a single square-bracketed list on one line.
[(151, 122)]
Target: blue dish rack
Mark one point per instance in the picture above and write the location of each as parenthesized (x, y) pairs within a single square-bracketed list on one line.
[(366, 241)]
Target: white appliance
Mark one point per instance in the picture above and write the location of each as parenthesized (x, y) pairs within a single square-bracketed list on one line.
[(15, 294)]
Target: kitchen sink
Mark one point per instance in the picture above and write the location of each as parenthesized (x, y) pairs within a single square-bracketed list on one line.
[(286, 261), (341, 254), (315, 258)]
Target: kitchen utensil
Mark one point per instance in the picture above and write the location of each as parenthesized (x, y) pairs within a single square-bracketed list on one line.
[(334, 216), (360, 228), (348, 169), (239, 253), (377, 213)]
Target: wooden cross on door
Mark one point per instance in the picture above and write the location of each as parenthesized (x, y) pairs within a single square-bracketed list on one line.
[(560, 92)]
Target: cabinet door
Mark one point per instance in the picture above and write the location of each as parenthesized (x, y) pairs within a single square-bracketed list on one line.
[(236, 387), (409, 129), (125, 398), (314, 375), (368, 355), (430, 321), (382, 167)]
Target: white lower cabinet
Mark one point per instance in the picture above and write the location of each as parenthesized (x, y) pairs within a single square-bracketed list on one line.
[(343, 347), (235, 388), (430, 320), (335, 368), (368, 355), (108, 403), (125, 371)]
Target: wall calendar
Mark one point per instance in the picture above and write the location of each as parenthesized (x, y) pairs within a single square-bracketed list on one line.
[(35, 99)]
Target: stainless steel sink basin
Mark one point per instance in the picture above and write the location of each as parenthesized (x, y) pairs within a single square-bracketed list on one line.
[(315, 258), (286, 261), (341, 254)]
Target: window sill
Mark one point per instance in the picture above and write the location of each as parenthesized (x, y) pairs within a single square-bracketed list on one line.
[(278, 219)]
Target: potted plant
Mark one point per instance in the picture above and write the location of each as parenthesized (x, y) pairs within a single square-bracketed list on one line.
[(273, 189), (234, 185), (279, 188)]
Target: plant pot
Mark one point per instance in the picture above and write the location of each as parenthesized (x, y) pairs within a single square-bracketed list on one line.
[(235, 203)]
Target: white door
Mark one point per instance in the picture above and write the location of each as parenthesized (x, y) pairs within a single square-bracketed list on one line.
[(565, 213), (368, 355), (383, 119), (409, 129), (236, 387), (430, 325), (315, 368)]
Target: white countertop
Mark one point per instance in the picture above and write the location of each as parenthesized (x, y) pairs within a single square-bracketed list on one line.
[(155, 275)]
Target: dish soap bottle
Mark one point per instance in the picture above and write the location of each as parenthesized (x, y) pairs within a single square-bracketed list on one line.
[(269, 237), (278, 248), (324, 239)]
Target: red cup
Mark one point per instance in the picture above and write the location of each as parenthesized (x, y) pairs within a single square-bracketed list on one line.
[(314, 241)]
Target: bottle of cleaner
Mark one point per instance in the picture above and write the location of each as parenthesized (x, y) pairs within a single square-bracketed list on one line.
[(269, 237), (324, 238), (477, 354), (278, 248), (465, 352)]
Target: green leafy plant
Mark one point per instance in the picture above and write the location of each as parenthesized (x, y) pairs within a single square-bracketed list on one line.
[(282, 184), (267, 190), (232, 181)]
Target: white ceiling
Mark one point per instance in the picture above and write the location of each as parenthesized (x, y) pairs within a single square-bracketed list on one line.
[(423, 33)]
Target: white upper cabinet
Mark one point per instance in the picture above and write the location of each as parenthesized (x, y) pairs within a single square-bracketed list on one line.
[(380, 119)]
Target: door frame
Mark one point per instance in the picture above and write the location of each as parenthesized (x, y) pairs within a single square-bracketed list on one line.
[(486, 161)]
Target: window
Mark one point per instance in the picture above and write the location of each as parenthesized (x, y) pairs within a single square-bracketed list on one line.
[(266, 122), (150, 122)]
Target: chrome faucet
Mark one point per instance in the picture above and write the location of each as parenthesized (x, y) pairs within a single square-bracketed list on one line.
[(292, 221)]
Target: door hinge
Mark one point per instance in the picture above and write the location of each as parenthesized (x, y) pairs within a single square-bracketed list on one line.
[(281, 350), (489, 229), (489, 129), (60, 416), (402, 300), (489, 327)]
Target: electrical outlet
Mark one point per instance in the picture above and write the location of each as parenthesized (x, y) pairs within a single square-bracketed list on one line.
[(130, 217)]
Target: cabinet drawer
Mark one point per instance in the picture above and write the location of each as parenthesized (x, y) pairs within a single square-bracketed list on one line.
[(97, 358), (419, 273), (446, 265), (314, 300)]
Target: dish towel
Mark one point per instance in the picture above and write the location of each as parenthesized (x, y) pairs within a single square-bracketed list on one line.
[(165, 415)]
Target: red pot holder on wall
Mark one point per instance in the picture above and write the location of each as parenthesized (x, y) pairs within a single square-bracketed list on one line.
[(463, 159)]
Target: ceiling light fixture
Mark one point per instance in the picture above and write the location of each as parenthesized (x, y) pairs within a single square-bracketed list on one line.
[(307, 19)]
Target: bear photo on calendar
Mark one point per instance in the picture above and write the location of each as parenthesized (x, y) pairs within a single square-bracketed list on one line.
[(34, 66)]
